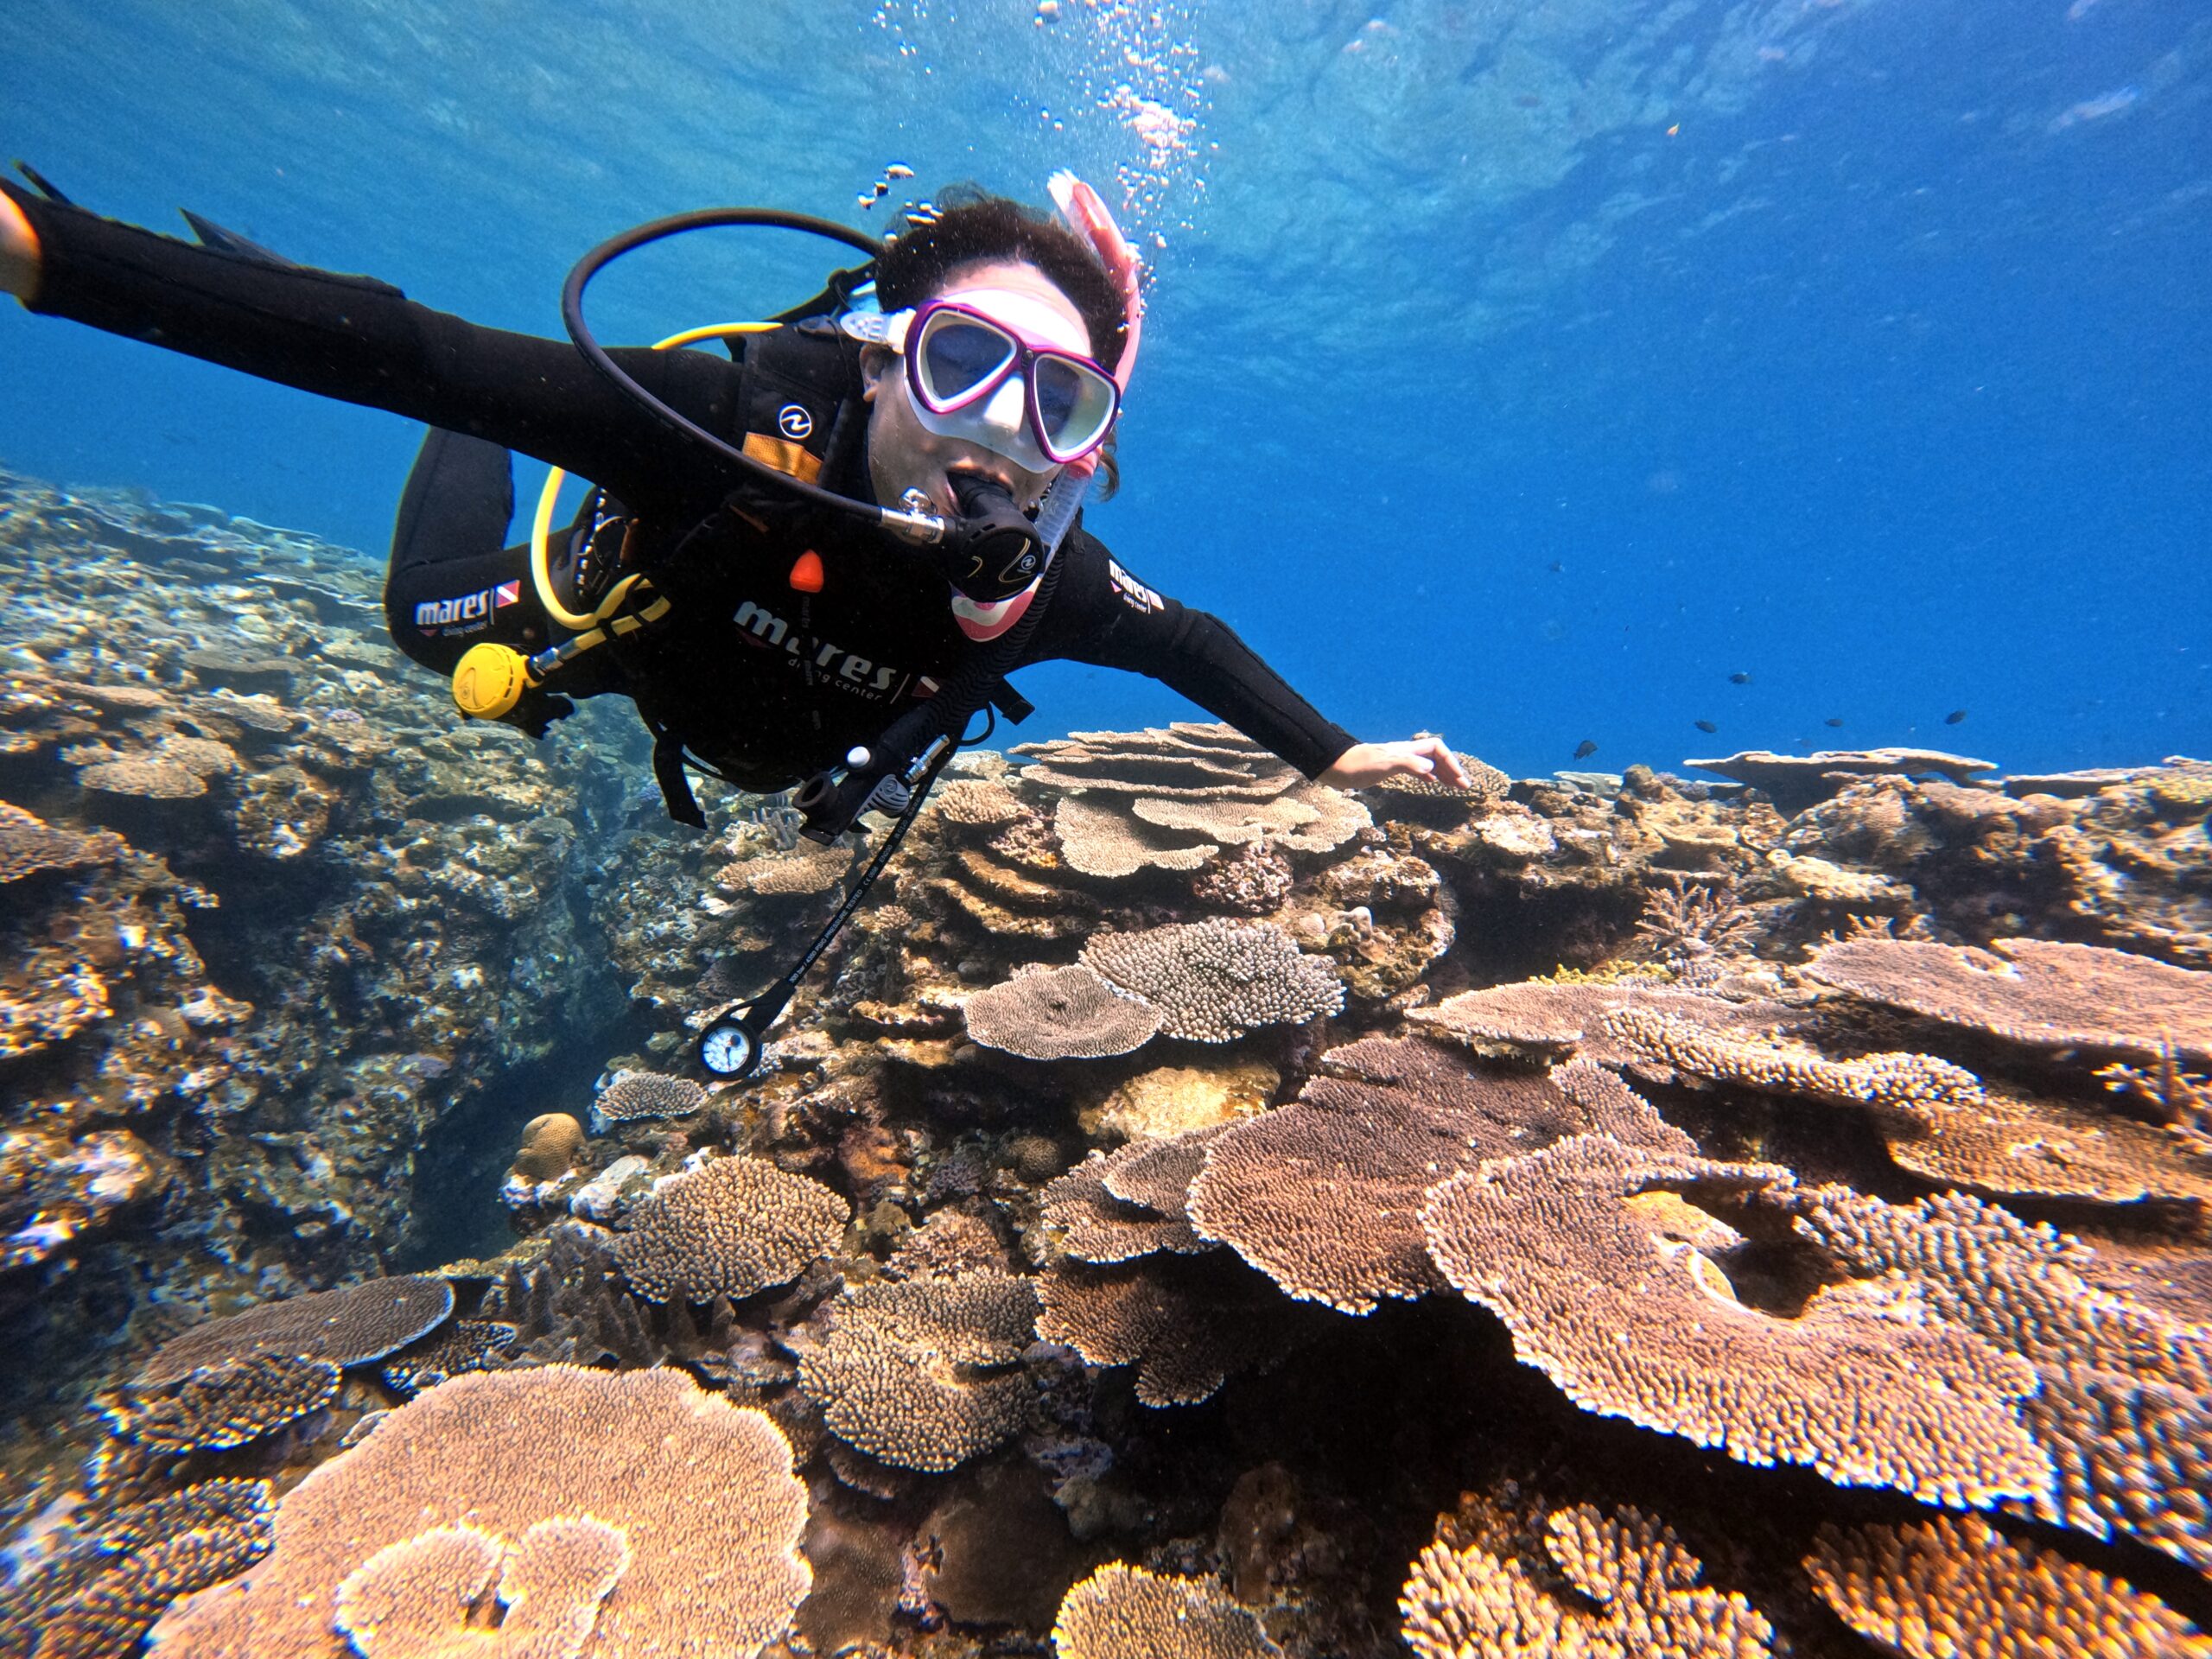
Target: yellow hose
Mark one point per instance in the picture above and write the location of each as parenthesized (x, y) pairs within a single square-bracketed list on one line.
[(541, 528)]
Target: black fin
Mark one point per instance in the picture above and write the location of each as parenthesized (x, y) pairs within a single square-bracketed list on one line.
[(41, 183), (212, 235)]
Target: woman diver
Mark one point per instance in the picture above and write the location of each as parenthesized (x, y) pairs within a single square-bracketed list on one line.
[(766, 564)]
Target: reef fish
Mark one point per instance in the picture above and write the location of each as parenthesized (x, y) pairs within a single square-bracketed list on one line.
[(1739, 677), (1954, 716), (1585, 749), (1705, 726)]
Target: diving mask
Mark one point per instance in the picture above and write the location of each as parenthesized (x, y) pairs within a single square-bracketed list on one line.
[(995, 368)]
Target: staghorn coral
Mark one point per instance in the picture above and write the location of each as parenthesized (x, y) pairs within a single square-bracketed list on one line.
[(1955, 1587), (702, 1492), (914, 1372), (1603, 1295), (728, 1228), (1214, 980), (1054, 1014), (1323, 1195), (1685, 924), (414, 1600), (345, 1326), (1125, 1612), (229, 1404), (1470, 1603), (630, 1096), (2032, 991)]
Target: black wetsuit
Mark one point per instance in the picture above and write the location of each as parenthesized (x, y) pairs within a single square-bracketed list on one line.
[(765, 681)]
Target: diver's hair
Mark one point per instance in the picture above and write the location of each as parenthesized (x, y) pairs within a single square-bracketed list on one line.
[(975, 226)]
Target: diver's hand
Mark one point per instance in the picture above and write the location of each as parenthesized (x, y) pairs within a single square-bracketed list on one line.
[(19, 259), (1425, 756)]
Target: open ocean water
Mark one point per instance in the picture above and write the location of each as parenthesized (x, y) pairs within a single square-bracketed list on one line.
[(1644, 1211)]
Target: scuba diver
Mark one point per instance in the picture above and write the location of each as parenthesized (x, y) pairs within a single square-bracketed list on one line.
[(809, 557)]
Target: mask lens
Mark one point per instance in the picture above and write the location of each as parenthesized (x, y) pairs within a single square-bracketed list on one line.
[(1075, 405), (960, 357)]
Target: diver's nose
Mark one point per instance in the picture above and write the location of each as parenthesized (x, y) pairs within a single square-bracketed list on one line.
[(1003, 413)]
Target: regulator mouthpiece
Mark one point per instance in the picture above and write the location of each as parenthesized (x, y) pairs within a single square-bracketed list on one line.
[(993, 550)]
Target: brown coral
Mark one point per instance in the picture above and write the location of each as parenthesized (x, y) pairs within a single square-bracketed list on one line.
[(1306, 818), (1214, 980), (1125, 1612), (2032, 991), (1095, 1217), (28, 844), (1054, 1014), (414, 1600), (630, 1096), (1186, 1324), (702, 1492), (1185, 760), (229, 1404), (1470, 1603), (145, 777), (914, 1372), (1630, 1320), (1550, 1019), (549, 1144), (2125, 1409), (463, 1345), (1103, 841), (344, 1326), (1955, 1587), (1796, 781), (729, 1228), (1324, 1195)]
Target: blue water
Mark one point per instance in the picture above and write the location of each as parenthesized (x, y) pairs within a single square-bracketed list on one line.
[(1519, 370)]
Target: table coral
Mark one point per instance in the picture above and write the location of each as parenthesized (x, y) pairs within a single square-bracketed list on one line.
[(729, 1228), (701, 1492), (1125, 1612)]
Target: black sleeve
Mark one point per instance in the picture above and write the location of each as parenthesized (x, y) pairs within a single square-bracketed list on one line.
[(363, 341), (1102, 614)]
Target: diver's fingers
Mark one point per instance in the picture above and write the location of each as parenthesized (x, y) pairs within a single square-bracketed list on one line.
[(19, 256), (1442, 764)]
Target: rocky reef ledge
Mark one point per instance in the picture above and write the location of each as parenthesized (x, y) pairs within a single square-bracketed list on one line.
[(1759, 1210)]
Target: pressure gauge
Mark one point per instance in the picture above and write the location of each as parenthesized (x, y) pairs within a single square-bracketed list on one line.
[(728, 1049)]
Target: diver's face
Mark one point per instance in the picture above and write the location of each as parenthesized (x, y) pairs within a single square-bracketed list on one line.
[(903, 454)]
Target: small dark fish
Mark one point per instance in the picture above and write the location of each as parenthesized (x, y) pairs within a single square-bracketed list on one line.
[(1585, 749), (1557, 567), (1954, 716), (1740, 678), (1834, 721), (1705, 726)]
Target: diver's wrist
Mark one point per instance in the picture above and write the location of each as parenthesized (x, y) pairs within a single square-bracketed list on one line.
[(19, 252)]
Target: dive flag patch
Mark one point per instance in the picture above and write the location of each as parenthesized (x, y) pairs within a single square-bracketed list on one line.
[(506, 594)]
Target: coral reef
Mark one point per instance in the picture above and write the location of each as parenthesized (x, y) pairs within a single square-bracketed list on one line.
[(1184, 1193)]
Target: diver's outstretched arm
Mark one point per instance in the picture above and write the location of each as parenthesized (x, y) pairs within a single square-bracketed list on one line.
[(363, 341)]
